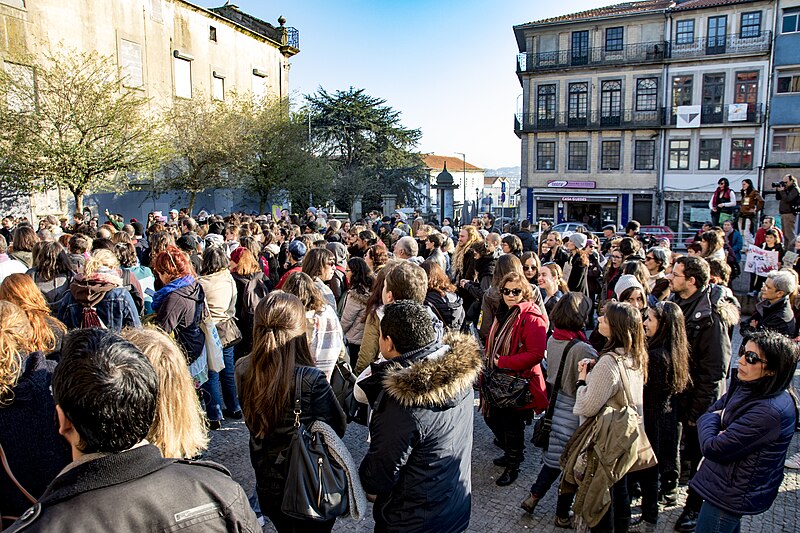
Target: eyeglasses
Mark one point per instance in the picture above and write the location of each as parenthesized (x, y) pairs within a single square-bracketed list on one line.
[(753, 358), (526, 267), (649, 258), (331, 263), (511, 292), (616, 256)]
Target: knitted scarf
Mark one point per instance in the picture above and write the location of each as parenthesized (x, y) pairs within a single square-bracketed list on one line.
[(501, 337), (172, 286), (566, 335)]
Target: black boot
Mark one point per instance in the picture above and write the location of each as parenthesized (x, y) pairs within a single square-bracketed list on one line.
[(687, 521), (501, 461), (509, 475)]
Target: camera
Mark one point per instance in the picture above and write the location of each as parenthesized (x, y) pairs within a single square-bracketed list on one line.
[(777, 184)]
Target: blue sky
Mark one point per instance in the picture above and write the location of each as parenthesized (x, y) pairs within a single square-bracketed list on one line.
[(448, 66)]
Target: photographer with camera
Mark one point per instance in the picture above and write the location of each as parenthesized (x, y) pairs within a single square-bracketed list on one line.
[(787, 194)]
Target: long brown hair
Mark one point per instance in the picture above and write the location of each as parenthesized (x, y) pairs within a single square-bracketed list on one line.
[(279, 344), (506, 264), (301, 285), (20, 290), (627, 332), (15, 330), (437, 278), (179, 428)]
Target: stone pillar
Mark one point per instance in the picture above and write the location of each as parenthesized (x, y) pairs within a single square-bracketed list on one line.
[(389, 203), (356, 210)]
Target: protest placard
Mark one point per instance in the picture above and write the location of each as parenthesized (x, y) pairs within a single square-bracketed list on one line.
[(760, 261)]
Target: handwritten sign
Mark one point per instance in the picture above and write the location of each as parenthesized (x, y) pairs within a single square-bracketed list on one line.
[(761, 261)]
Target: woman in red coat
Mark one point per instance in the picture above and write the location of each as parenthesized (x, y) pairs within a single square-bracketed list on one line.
[(516, 345)]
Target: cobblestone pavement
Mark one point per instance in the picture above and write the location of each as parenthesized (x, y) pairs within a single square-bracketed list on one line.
[(494, 508)]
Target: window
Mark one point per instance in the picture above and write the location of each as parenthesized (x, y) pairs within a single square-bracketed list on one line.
[(183, 77), (545, 156), (681, 91), (644, 157), (751, 25), (578, 100), (791, 21), (789, 83), (716, 34), (259, 83), (580, 47), (212, 33), (786, 140), (578, 155), (21, 96), (746, 89), (610, 101), (647, 94), (684, 32), (614, 39), (217, 86), (610, 156), (679, 154), (741, 154), (710, 150), (130, 62), (546, 103)]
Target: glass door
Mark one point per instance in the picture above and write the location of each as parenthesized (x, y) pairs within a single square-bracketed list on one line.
[(715, 40), (580, 47), (713, 92)]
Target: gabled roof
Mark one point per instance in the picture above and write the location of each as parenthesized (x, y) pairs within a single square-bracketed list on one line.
[(625, 8), (454, 164)]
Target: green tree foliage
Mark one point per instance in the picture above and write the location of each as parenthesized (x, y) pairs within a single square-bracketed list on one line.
[(74, 125), (280, 159), (369, 149), (207, 139)]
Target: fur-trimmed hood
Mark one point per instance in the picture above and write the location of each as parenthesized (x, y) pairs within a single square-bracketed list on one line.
[(439, 378)]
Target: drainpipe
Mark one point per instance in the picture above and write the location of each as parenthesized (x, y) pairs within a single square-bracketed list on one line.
[(767, 111), (666, 101)]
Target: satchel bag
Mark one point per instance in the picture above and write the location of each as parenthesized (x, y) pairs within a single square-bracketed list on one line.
[(316, 486), (213, 345), (645, 456), (16, 483), (506, 390), (544, 424), (229, 333)]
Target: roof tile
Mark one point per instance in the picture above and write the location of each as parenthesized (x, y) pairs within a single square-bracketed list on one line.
[(436, 162)]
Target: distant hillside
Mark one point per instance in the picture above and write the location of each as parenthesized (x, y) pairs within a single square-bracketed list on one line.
[(506, 172)]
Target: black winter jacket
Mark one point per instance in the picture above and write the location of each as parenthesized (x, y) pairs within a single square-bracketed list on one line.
[(778, 317), (528, 242), (181, 312), (707, 328), (419, 460), (138, 490), (267, 454), (448, 307)]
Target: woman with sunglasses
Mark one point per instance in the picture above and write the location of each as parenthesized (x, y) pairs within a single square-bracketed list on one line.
[(530, 267), (744, 436), (516, 345), (668, 376)]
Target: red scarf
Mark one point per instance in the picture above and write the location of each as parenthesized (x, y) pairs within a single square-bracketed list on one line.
[(566, 335)]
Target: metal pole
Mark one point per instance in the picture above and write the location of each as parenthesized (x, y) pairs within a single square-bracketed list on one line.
[(464, 184)]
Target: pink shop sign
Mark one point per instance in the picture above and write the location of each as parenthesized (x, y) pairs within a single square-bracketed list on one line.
[(566, 184)]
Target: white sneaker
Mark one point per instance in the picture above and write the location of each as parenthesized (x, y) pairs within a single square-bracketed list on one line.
[(793, 462)]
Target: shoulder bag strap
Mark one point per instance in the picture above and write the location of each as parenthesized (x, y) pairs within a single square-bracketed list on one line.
[(13, 478), (298, 391), (551, 406), (623, 374)]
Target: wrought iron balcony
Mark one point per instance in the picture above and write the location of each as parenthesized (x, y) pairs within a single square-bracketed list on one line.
[(623, 119), (734, 43), (630, 53), (722, 114)]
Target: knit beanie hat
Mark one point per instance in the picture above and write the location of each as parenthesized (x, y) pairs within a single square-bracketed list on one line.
[(579, 240), (626, 282), (297, 249)]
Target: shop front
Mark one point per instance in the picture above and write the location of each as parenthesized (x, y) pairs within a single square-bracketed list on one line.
[(594, 209)]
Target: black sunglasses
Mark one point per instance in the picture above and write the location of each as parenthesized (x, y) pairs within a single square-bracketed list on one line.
[(511, 292), (753, 358)]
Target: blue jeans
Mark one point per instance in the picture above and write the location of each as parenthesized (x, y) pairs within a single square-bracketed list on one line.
[(227, 383), (212, 398), (712, 519)]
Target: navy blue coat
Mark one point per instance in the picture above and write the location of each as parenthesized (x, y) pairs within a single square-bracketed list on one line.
[(743, 454)]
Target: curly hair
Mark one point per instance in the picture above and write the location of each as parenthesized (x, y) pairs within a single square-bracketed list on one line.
[(15, 330)]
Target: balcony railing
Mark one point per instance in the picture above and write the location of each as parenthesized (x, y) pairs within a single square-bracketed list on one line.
[(623, 119), (733, 43), (630, 53), (723, 114)]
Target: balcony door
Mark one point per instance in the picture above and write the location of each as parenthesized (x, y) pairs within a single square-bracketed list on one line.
[(610, 103), (717, 30), (746, 92), (713, 93), (580, 47)]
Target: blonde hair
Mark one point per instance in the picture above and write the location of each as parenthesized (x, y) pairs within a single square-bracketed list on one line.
[(99, 259), (473, 236), (15, 330), (179, 427)]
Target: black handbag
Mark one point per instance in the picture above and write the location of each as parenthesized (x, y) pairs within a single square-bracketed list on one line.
[(544, 424), (316, 486), (343, 381), (506, 390)]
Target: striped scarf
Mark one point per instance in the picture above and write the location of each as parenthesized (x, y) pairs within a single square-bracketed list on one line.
[(501, 337)]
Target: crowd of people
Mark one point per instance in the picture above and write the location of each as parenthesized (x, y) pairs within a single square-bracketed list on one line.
[(615, 347)]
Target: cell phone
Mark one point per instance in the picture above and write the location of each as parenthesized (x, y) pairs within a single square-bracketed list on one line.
[(149, 292)]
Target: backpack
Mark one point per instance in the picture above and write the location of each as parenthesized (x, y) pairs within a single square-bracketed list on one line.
[(254, 291)]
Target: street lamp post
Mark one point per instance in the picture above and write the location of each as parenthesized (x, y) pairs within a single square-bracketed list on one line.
[(464, 185)]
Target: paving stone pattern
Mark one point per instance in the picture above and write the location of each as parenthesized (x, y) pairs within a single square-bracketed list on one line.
[(496, 509)]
